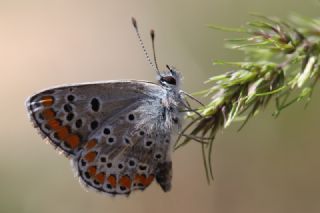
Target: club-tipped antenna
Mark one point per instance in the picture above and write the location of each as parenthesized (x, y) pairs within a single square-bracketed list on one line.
[(134, 23), (169, 68), (152, 34)]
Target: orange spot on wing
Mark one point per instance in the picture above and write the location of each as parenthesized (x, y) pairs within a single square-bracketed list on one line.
[(63, 133), (100, 177), (48, 114), (149, 180), (125, 181), (54, 124), (92, 143), (142, 179), (47, 100), (112, 180), (92, 171), (90, 156), (73, 140)]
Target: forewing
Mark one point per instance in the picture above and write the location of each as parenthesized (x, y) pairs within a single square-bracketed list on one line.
[(68, 115), (121, 156)]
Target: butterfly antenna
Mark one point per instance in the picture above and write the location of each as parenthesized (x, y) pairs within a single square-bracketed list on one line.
[(134, 23), (152, 34)]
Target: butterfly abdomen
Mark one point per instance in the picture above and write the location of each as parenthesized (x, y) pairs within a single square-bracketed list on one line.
[(164, 175)]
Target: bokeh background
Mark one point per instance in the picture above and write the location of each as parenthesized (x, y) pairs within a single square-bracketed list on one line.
[(270, 166)]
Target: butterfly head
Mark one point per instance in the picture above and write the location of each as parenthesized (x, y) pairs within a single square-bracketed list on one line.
[(170, 78)]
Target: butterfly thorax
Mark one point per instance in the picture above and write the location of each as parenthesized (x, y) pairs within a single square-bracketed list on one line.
[(164, 111), (172, 108)]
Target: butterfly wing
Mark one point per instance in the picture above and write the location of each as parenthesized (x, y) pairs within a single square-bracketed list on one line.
[(120, 158), (67, 115), (97, 124)]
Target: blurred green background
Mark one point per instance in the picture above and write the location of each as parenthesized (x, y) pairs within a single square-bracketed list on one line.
[(270, 166)]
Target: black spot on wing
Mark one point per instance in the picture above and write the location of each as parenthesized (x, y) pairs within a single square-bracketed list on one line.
[(95, 104)]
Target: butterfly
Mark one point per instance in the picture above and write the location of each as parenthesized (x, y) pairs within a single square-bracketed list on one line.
[(117, 134)]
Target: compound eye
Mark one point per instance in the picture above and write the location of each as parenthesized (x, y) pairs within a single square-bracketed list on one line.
[(169, 79)]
